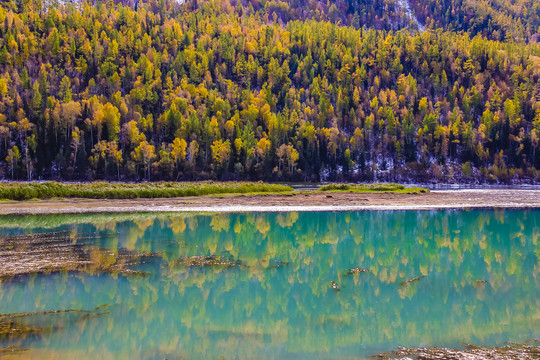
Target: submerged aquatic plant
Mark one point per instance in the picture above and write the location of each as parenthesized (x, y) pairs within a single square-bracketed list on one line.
[(356, 270), (278, 264), (208, 260), (17, 327), (63, 251), (411, 280)]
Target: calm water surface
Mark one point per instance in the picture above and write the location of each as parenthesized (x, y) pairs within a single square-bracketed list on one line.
[(277, 301)]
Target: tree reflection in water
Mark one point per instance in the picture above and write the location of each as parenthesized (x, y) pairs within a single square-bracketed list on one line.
[(256, 285)]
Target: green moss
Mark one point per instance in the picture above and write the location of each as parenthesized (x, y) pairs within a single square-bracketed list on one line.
[(106, 190), (373, 188)]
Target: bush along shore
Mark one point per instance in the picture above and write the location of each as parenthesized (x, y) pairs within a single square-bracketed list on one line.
[(373, 188), (106, 190)]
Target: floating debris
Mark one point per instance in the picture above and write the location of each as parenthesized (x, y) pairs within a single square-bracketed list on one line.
[(335, 286), (411, 280), (510, 351), (208, 260), (279, 264), (356, 270)]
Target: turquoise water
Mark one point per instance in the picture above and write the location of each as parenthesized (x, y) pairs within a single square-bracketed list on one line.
[(480, 284)]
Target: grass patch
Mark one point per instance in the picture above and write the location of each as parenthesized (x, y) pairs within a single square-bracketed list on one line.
[(373, 188), (106, 190)]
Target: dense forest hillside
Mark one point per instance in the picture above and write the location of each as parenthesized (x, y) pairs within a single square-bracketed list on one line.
[(299, 90), (518, 20)]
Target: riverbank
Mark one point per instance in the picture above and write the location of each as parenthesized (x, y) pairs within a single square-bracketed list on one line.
[(298, 201)]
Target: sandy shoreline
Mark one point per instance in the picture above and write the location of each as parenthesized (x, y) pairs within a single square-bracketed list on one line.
[(437, 199)]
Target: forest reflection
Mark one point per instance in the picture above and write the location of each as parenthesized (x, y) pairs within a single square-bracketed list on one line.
[(260, 285)]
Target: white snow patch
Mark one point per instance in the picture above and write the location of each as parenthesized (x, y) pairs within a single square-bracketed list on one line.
[(406, 6)]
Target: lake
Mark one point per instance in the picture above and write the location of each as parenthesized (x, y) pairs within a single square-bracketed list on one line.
[(267, 285)]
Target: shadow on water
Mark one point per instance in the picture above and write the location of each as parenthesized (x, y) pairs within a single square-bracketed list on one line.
[(278, 285)]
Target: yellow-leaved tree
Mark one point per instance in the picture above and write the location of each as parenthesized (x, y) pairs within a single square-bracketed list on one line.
[(143, 155)]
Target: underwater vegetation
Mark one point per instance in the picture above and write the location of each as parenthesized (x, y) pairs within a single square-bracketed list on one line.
[(63, 251), (16, 327)]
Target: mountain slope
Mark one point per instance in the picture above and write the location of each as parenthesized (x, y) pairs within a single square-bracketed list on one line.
[(223, 91), (496, 19)]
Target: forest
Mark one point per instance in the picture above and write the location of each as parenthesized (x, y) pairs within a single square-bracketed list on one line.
[(517, 20), (298, 90)]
